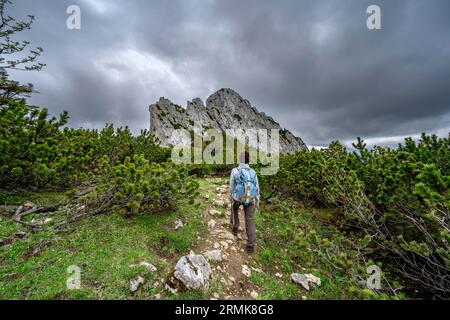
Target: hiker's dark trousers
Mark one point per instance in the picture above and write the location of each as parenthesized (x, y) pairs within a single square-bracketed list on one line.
[(249, 221)]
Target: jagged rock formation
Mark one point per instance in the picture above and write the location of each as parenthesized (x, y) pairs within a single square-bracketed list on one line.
[(225, 109)]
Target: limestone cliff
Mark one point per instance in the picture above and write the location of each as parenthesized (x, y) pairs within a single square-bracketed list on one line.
[(225, 109)]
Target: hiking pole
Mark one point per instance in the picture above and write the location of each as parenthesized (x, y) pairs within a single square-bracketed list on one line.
[(232, 212)]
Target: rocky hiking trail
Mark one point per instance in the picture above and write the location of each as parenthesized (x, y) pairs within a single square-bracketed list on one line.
[(219, 258), (189, 253), (225, 253), (233, 270)]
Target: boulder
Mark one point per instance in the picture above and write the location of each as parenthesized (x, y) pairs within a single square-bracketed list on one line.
[(193, 271), (305, 279), (178, 224), (246, 271), (136, 283)]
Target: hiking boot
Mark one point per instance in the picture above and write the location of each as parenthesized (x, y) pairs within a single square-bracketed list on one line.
[(250, 250)]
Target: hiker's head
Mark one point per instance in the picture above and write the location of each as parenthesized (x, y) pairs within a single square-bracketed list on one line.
[(244, 157)]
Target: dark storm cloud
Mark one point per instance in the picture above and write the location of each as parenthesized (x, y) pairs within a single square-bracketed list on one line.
[(312, 65)]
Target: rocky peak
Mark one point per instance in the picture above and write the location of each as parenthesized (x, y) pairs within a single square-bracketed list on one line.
[(227, 98), (225, 109)]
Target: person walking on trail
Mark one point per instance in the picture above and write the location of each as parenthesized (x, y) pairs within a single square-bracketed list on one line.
[(244, 190)]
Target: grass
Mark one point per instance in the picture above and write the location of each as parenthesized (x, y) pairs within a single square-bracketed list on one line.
[(103, 247), (285, 249), (290, 238)]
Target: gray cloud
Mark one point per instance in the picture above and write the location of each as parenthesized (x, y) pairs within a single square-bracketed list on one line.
[(312, 65)]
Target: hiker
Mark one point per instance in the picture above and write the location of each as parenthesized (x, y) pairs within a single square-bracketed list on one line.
[(244, 190)]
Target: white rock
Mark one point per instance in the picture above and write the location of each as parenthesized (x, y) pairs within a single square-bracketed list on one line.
[(213, 255), (257, 270), (216, 295), (28, 205), (149, 266), (136, 283), (224, 244), (232, 279), (278, 275), (215, 212), (246, 271), (227, 236), (157, 296), (305, 279), (212, 224), (207, 196), (178, 224), (145, 264), (48, 220), (312, 278), (254, 295), (221, 190), (193, 271), (216, 245), (219, 203)]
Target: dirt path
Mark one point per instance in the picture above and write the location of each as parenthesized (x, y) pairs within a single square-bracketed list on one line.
[(234, 271)]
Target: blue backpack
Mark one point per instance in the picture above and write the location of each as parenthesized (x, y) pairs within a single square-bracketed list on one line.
[(246, 190)]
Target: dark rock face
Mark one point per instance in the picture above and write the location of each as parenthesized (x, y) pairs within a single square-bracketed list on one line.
[(225, 109)]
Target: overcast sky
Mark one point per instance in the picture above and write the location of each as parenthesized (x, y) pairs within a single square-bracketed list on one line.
[(313, 65)]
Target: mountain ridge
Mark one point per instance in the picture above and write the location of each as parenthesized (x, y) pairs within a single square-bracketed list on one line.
[(224, 109)]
